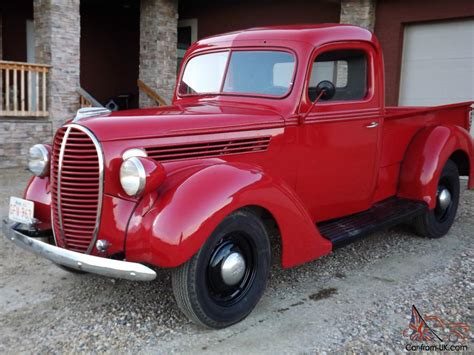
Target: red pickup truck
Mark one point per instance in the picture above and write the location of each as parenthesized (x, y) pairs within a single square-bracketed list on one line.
[(277, 127)]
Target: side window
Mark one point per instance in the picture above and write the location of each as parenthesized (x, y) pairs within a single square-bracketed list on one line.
[(346, 69)]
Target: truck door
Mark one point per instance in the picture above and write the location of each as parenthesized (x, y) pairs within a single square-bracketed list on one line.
[(340, 137)]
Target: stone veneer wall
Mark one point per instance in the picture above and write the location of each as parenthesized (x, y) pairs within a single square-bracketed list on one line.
[(17, 136), (57, 41), (158, 41), (359, 12), (57, 30)]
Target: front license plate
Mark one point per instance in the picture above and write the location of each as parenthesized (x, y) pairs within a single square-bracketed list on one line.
[(21, 210)]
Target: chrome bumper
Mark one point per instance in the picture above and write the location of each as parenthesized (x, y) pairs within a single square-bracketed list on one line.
[(88, 263)]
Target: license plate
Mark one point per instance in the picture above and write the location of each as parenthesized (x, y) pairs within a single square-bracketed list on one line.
[(21, 210)]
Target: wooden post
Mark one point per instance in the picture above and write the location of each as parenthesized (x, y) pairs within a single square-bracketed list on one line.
[(15, 92), (43, 94), (7, 90), (30, 92), (22, 91), (37, 94)]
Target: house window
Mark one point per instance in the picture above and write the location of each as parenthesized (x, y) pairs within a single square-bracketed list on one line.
[(187, 35), (346, 69)]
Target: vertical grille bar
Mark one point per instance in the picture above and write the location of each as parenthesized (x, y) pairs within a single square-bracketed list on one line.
[(58, 183)]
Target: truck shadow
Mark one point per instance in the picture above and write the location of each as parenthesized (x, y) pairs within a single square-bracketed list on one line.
[(150, 306), (146, 311)]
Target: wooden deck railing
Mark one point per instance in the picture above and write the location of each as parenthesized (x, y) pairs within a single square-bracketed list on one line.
[(23, 89), (86, 99), (152, 94)]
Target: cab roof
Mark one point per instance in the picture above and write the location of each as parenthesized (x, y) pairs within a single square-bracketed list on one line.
[(310, 34)]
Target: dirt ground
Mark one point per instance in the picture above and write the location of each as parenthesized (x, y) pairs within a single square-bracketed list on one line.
[(358, 299)]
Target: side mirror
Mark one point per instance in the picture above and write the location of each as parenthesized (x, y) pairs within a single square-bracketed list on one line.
[(326, 89)]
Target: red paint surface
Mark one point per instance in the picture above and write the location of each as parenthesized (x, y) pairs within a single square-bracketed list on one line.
[(326, 166)]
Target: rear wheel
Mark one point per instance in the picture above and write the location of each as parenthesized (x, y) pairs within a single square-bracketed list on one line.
[(436, 223), (223, 282)]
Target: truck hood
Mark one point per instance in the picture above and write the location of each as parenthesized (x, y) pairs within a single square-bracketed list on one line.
[(179, 120)]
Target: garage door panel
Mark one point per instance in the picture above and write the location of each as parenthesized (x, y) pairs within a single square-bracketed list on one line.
[(438, 63), (436, 83), (450, 37)]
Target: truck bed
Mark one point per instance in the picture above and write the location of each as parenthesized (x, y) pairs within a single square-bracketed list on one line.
[(401, 124), (396, 112)]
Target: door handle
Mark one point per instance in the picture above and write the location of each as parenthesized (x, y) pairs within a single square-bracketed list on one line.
[(372, 124)]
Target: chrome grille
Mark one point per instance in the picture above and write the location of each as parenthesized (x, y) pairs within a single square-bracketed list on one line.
[(77, 188)]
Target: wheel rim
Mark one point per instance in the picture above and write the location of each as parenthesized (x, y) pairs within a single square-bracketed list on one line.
[(444, 201), (231, 269)]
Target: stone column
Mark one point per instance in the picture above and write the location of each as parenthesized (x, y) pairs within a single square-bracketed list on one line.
[(158, 48), (57, 43), (359, 12)]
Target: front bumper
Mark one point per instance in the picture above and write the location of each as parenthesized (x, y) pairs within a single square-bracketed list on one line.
[(83, 262)]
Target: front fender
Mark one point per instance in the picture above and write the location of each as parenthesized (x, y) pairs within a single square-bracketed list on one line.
[(425, 158), (193, 205), (38, 190)]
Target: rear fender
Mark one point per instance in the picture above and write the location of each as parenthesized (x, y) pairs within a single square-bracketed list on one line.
[(425, 158), (193, 204)]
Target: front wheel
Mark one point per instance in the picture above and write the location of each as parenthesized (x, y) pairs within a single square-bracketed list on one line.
[(223, 282), (436, 223)]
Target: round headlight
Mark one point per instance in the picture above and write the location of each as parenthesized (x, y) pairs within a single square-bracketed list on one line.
[(38, 160), (132, 176)]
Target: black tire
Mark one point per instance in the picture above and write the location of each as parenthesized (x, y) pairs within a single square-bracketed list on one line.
[(198, 285), (71, 270), (436, 223)]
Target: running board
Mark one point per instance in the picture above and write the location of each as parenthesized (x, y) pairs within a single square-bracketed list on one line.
[(382, 215)]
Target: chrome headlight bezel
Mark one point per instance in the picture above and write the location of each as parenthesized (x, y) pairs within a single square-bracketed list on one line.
[(132, 176), (134, 152), (39, 159)]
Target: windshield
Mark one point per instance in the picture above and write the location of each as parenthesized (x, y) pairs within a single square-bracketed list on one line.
[(257, 72)]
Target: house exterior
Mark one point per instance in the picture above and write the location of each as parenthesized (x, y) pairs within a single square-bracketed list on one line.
[(59, 55)]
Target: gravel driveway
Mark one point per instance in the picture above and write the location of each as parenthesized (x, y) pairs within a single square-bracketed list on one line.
[(357, 299)]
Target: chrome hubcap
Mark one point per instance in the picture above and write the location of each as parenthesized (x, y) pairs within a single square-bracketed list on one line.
[(233, 269), (444, 199)]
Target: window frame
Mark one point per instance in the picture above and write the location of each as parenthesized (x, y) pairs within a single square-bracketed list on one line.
[(193, 24), (230, 50), (347, 45)]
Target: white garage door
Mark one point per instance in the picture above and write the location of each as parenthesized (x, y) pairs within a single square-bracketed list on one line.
[(438, 63)]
